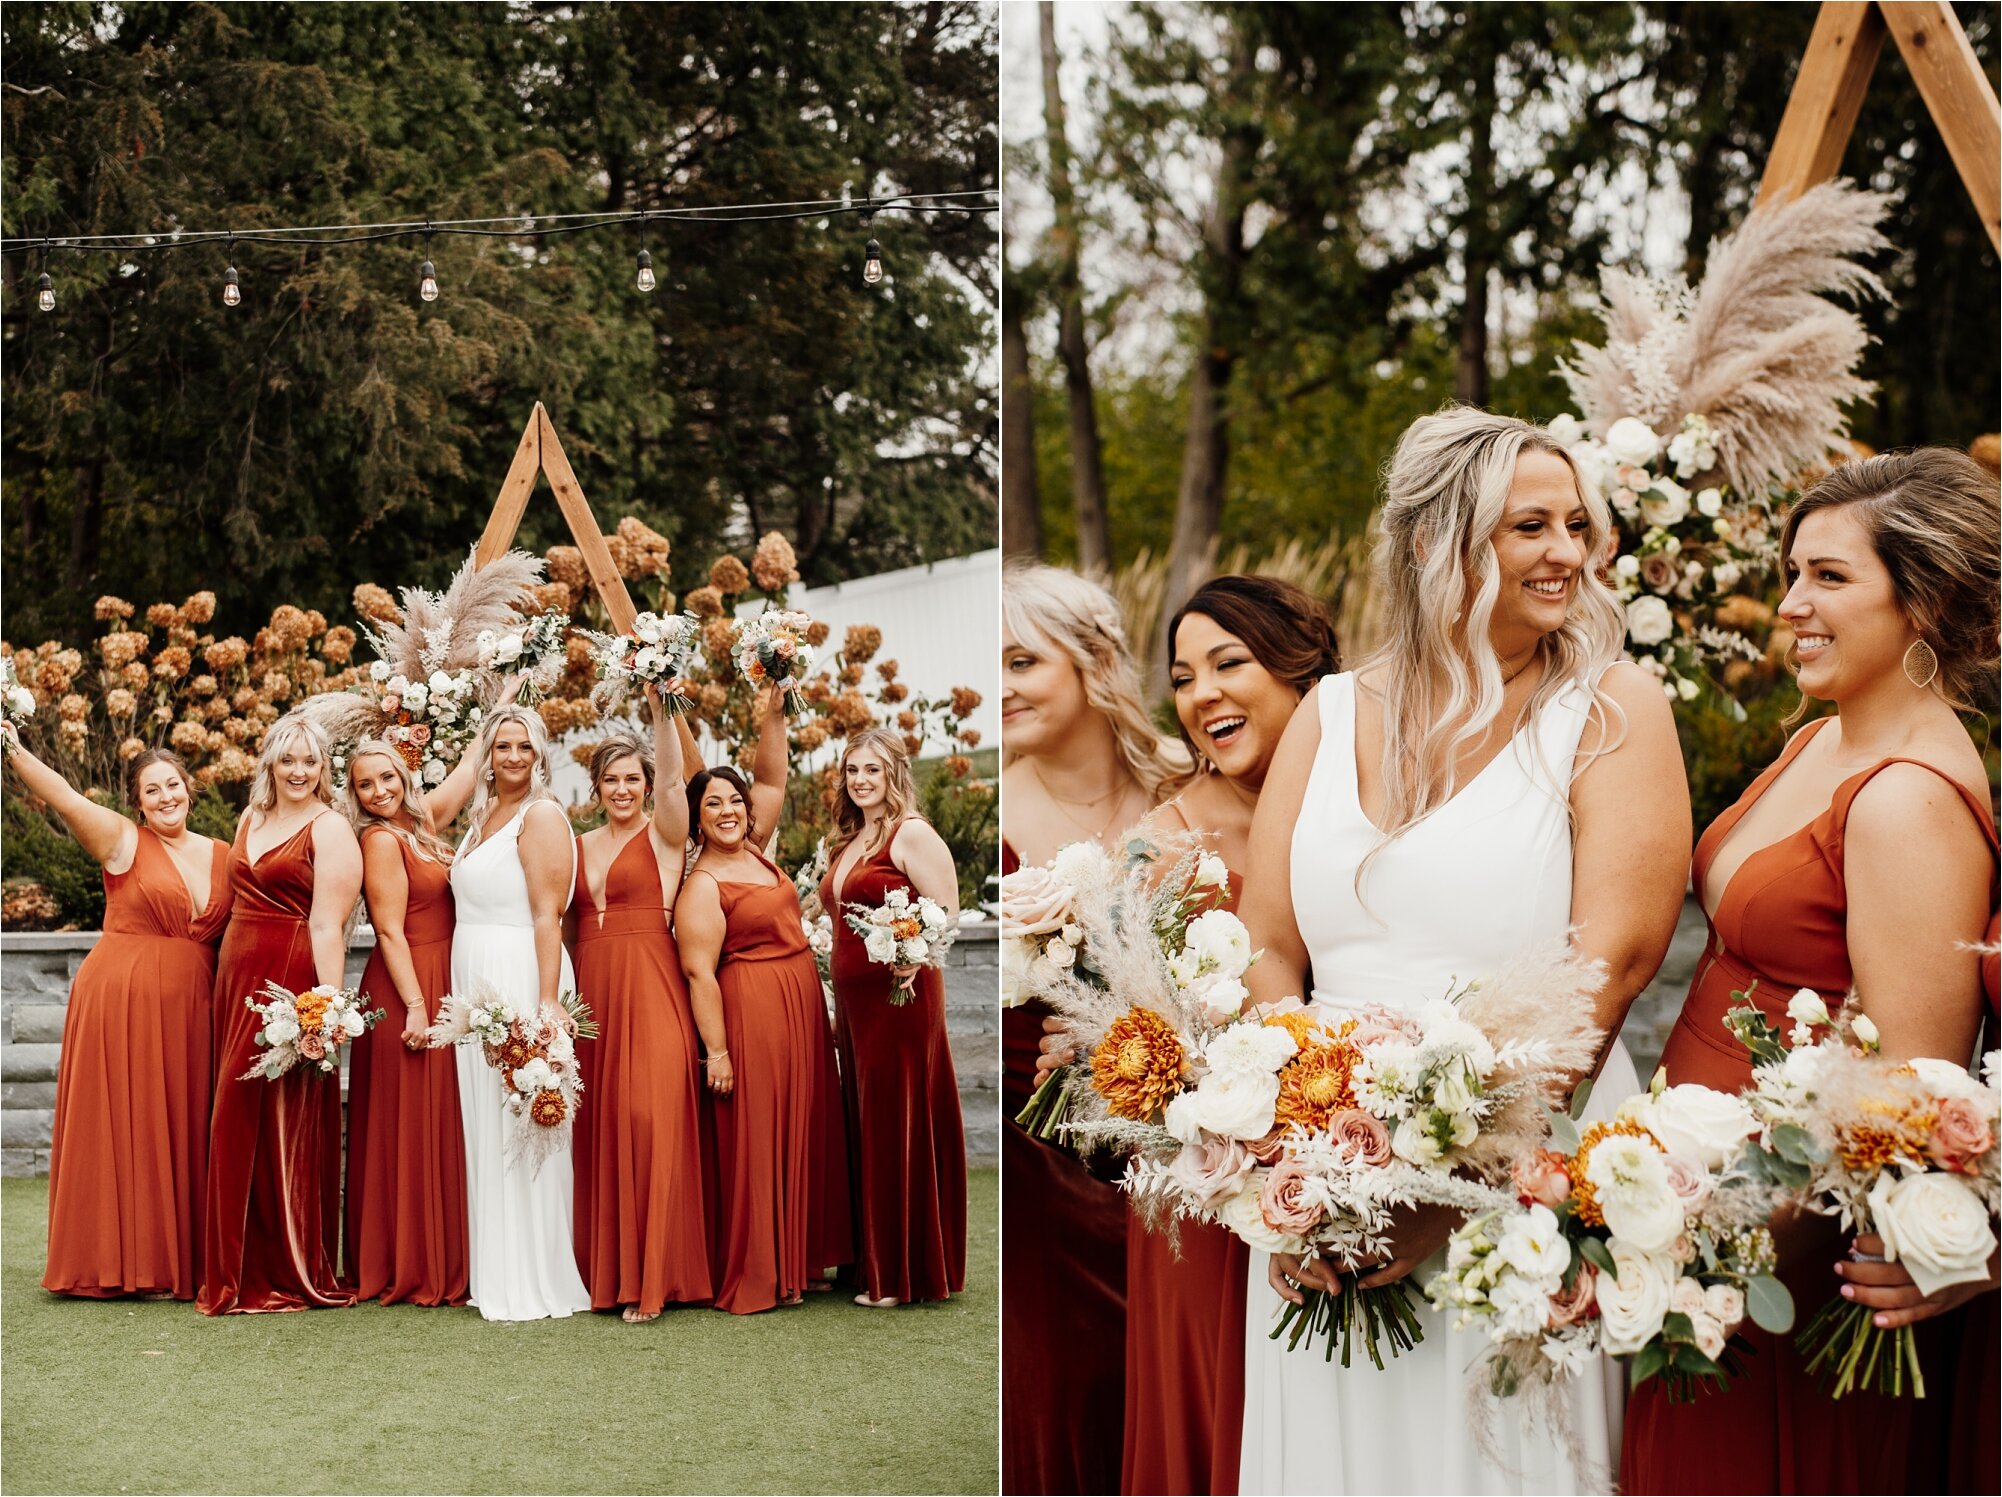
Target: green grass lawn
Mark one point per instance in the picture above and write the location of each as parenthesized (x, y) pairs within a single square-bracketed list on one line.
[(119, 1396)]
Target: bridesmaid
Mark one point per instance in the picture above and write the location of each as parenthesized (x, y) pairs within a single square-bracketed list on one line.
[(273, 1225), (897, 1076), (783, 1216), (1862, 857), (645, 1179), (130, 1151), (406, 1197), (1241, 654), (1081, 761)]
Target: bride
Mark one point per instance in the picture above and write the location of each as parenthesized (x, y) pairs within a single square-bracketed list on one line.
[(511, 882), (1488, 778)]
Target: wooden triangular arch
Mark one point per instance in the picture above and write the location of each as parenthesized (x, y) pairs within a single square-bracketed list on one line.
[(1835, 73), (538, 453)]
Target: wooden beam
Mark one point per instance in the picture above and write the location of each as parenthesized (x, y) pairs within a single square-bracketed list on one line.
[(514, 492), (584, 528), (1827, 94), (1958, 96)]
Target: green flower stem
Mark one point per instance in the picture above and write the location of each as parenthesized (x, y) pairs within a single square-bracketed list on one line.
[(1384, 1314), (1845, 1342)]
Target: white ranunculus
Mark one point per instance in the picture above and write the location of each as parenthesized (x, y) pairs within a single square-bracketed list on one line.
[(1648, 620), (1634, 1297), (1220, 993), (1710, 503), (1631, 1177), (1632, 441), (1243, 1216), (1249, 1050), (1219, 938), (1533, 1244), (1934, 1225), (1725, 1304), (1701, 1125), (442, 684), (1237, 1106)]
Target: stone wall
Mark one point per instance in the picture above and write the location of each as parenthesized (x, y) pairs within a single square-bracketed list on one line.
[(36, 969)]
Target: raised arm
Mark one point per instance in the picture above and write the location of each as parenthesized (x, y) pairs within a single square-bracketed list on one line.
[(768, 768), (1630, 843), (336, 886), (691, 751), (544, 845), (699, 928), (1266, 905), (670, 802), (108, 837), (921, 855), (444, 804), (385, 885)]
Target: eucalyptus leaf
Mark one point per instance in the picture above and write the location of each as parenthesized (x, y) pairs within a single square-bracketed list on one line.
[(1769, 1304)]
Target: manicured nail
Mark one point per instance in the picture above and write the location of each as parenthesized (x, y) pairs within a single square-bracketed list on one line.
[(1849, 1291), (1841, 1269), (1883, 1322)]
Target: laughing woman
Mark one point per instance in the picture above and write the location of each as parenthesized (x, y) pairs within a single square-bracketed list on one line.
[(273, 1227), (130, 1151), (406, 1216)]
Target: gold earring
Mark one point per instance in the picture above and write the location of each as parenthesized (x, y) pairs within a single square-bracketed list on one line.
[(1921, 664)]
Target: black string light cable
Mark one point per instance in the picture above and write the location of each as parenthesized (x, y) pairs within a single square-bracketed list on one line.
[(514, 226)]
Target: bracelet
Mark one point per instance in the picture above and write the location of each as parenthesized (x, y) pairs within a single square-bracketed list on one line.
[(717, 1055)]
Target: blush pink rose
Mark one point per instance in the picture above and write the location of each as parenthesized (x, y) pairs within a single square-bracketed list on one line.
[(1034, 902), (420, 734), (1212, 1171), (312, 1047), (1659, 573), (1961, 1135), (1361, 1135), (1267, 1150), (1541, 1178), (1283, 1202), (1580, 1302), (1690, 1182)]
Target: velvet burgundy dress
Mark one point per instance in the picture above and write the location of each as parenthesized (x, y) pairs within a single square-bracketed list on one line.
[(1781, 923), (906, 1141), (781, 1147), (1063, 1295), (128, 1160), (274, 1191), (643, 1151), (406, 1209)]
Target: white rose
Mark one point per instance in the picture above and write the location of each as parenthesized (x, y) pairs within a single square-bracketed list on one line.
[(1632, 441), (1073, 933), (443, 684), (1627, 567), (281, 1031), (1945, 1079), (397, 686), (1648, 621), (917, 950), (1934, 1225), (647, 628), (1249, 1050), (1633, 1298), (1631, 1177), (1533, 1244), (1725, 1304), (1686, 1298), (1241, 1213), (1701, 1125), (1710, 503), (1018, 960), (1060, 952), (508, 650), (1665, 504), (1567, 428), (1220, 940), (1237, 1106), (352, 1021), (434, 771), (880, 945)]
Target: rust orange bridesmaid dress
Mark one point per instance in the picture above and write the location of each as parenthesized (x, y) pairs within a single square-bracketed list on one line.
[(781, 1148), (902, 1099), (1184, 1353), (1782, 923), (1063, 1297), (129, 1155), (273, 1223), (645, 1179), (406, 1201)]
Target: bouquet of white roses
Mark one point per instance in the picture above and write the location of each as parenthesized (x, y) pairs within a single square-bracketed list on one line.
[(1905, 1150), (772, 649), (16, 701), (541, 1089), (661, 647), (307, 1028), (905, 930)]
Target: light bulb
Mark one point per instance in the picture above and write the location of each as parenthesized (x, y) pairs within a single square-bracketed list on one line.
[(645, 281), (427, 282), (45, 293), (231, 294), (872, 263)]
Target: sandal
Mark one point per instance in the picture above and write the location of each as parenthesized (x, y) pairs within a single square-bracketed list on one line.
[(634, 1315), (887, 1302)]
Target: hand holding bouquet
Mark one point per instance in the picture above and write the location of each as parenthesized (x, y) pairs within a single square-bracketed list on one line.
[(906, 931), (17, 703), (661, 649), (532, 1048), (308, 1028), (772, 650)]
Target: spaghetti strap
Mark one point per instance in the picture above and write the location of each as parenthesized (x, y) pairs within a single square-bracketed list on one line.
[(1847, 791)]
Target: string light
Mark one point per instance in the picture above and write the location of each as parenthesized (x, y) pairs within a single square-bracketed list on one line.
[(231, 294), (427, 276), (45, 293), (872, 252), (644, 280)]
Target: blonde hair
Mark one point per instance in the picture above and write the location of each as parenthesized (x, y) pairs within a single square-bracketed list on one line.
[(619, 745), (538, 777), (1444, 491), (900, 794), (281, 736), (418, 835), (1057, 612)]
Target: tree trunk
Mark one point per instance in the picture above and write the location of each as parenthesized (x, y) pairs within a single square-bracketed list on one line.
[(1206, 447), (1021, 498), (1470, 382), (86, 526), (1094, 533)]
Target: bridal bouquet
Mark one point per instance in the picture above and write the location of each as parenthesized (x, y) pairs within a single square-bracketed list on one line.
[(819, 924), (430, 722), (536, 1058), (660, 648), (1904, 1150), (307, 1028), (773, 648), (16, 701), (1085, 928), (905, 930), (535, 649), (1644, 1236)]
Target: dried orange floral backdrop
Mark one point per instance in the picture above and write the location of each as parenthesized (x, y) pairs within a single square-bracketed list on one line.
[(165, 675)]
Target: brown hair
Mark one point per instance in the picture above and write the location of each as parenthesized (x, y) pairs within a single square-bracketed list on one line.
[(145, 759), (700, 783), (1931, 517), (900, 795), (615, 747), (1285, 627)]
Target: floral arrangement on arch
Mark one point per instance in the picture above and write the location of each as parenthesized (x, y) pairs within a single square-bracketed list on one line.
[(1704, 411)]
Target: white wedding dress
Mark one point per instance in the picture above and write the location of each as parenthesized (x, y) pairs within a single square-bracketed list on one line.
[(520, 1259), (1486, 875)]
